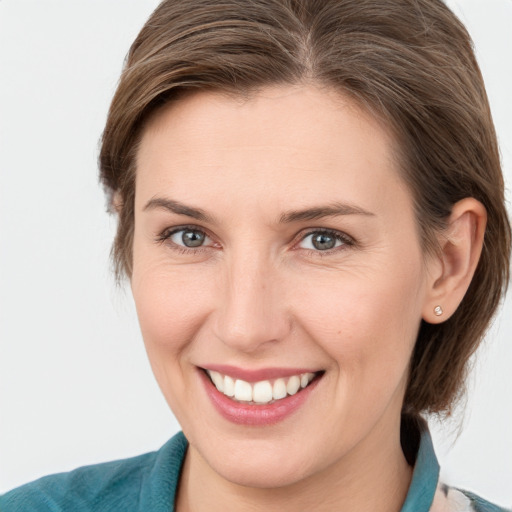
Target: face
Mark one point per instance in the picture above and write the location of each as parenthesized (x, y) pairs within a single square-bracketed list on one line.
[(276, 253)]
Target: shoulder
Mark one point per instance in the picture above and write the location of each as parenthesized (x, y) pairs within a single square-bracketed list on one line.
[(450, 499), (426, 491), (481, 505), (83, 488), (129, 484)]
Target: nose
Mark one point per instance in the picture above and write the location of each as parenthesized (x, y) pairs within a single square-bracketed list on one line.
[(252, 308)]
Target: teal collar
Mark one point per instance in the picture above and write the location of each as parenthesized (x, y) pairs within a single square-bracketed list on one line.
[(424, 478), (164, 483)]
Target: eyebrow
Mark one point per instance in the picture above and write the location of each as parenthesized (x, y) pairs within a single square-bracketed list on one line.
[(178, 208), (314, 213), (320, 212)]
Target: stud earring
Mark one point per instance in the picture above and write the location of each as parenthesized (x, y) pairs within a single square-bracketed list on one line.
[(438, 311)]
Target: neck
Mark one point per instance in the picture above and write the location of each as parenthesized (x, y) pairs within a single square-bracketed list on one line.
[(373, 476)]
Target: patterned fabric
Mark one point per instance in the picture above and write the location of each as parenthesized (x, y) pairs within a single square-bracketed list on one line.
[(447, 499)]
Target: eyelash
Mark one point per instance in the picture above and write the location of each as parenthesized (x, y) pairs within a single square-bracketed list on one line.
[(165, 238), (346, 240)]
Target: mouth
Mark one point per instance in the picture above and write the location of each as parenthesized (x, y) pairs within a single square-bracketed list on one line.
[(258, 398), (262, 392)]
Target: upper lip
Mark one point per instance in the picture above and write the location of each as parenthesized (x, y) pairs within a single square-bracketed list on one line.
[(256, 375)]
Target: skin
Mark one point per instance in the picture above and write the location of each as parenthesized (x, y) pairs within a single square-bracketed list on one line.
[(257, 294)]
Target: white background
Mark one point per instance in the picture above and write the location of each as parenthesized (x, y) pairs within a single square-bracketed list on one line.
[(75, 385)]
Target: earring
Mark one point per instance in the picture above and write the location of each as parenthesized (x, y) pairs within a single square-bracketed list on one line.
[(438, 311)]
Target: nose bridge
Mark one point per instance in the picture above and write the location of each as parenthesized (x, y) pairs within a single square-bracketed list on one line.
[(252, 311)]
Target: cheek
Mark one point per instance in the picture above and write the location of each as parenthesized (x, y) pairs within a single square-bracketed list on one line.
[(367, 325), (171, 305)]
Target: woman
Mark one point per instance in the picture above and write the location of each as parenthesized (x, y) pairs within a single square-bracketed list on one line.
[(311, 217)]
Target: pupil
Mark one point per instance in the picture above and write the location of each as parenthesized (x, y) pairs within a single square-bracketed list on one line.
[(192, 238), (323, 242)]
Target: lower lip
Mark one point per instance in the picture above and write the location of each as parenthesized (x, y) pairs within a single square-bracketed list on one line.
[(258, 415)]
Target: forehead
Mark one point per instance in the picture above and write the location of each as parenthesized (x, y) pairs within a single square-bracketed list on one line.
[(298, 139)]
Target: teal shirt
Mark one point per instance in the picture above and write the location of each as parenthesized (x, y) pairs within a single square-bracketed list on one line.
[(148, 483)]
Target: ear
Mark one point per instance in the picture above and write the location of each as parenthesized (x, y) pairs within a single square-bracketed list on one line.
[(451, 271), (116, 202)]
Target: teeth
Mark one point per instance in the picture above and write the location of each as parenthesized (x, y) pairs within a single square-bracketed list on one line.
[(305, 379), (293, 385), (243, 391), (279, 389), (218, 380), (262, 392), (229, 386)]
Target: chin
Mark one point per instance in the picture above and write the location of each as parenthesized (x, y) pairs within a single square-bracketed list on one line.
[(260, 475), (260, 464)]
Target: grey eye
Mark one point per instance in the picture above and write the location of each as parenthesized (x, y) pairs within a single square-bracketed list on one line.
[(321, 241), (189, 238)]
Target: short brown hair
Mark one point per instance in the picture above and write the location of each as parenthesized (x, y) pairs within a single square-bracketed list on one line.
[(410, 62)]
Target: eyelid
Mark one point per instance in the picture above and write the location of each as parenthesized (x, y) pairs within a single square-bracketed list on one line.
[(165, 237), (346, 239)]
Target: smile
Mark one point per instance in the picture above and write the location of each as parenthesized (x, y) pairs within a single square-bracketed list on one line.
[(261, 392), (258, 398)]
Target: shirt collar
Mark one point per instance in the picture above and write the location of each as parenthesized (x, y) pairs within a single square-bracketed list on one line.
[(419, 497), (425, 476)]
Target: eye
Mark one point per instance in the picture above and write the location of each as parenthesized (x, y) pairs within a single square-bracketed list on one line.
[(188, 237), (324, 240)]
